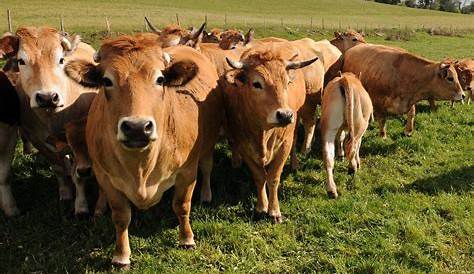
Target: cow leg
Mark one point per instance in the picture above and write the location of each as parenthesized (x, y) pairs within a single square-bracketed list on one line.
[(307, 113), (410, 125), (432, 104), (382, 127), (329, 138), (274, 173), (8, 138), (341, 136), (101, 204), (258, 174), (121, 216), (27, 147), (353, 158), (81, 208), (65, 192), (357, 153), (206, 168), (183, 194), (294, 158)]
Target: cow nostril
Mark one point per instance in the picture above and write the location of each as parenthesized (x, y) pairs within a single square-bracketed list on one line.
[(125, 127), (84, 172), (55, 98), (148, 127)]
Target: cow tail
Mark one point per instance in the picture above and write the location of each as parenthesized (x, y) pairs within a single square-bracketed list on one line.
[(349, 115)]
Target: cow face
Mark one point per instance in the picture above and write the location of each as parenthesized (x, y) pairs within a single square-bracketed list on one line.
[(231, 39), (265, 85), (212, 37), (465, 76), (345, 41), (447, 86), (39, 55), (133, 73)]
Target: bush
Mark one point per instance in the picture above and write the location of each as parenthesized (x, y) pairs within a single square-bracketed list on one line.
[(410, 3)]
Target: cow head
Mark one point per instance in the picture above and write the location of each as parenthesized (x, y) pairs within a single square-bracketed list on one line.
[(465, 76), (231, 39), (264, 79), (38, 54), (173, 35), (214, 36), (346, 40), (447, 86), (133, 74)]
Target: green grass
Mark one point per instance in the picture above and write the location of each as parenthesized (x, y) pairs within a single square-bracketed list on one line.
[(409, 209)]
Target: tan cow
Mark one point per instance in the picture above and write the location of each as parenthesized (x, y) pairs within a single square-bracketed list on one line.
[(262, 97), (48, 99), (346, 107), (346, 40), (155, 119), (214, 36), (396, 80), (173, 35), (465, 71)]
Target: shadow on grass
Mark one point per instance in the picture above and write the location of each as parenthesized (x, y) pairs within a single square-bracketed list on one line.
[(456, 181)]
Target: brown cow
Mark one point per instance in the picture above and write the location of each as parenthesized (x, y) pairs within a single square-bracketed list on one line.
[(346, 107), (346, 40), (48, 99), (465, 71), (155, 119), (396, 80), (173, 35), (262, 97)]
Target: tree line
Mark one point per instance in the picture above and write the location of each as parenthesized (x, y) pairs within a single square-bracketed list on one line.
[(459, 6)]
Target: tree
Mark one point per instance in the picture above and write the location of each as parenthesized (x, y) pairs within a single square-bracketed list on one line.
[(410, 3), (391, 2), (449, 5)]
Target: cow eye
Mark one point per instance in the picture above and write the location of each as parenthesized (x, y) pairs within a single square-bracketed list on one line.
[(106, 82), (450, 79), (21, 62), (61, 61), (257, 85), (160, 80)]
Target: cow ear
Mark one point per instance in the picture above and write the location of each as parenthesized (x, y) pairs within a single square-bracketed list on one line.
[(236, 77), (180, 73), (84, 73), (249, 37), (337, 35), (70, 43), (9, 45)]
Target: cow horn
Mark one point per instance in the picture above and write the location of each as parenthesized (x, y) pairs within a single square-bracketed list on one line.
[(167, 57), (199, 31), (65, 43), (301, 64), (150, 25), (235, 64)]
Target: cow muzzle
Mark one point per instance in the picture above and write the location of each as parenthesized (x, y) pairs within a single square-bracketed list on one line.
[(47, 100), (459, 96), (281, 117), (136, 132), (84, 172)]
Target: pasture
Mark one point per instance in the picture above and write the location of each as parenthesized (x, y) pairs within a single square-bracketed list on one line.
[(409, 209)]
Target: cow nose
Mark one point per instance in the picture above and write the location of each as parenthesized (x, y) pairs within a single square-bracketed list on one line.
[(84, 172), (137, 132), (284, 116), (47, 100)]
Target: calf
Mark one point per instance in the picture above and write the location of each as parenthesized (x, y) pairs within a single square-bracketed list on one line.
[(346, 107), (396, 80), (262, 97), (156, 118)]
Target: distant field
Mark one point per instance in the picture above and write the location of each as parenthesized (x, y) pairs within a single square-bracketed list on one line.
[(128, 15), (410, 209)]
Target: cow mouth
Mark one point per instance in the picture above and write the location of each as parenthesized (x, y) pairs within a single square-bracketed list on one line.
[(135, 144)]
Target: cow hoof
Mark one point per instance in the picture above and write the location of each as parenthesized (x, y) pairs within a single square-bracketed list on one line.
[(332, 195), (408, 133), (351, 171), (206, 203), (188, 246), (278, 219), (82, 216), (258, 216), (121, 263), (12, 212), (120, 266)]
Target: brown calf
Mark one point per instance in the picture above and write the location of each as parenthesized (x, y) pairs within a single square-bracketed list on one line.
[(346, 107)]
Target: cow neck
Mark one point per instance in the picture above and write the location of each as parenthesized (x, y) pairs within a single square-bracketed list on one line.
[(248, 130), (420, 91)]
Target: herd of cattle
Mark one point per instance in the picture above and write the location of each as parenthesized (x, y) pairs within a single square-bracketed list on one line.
[(144, 112)]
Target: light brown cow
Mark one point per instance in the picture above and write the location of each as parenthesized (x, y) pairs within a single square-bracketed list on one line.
[(396, 80), (173, 35), (465, 71), (262, 97), (346, 107), (155, 119), (214, 36), (346, 40), (48, 98)]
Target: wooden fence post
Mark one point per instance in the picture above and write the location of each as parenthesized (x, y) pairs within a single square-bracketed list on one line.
[(107, 25), (177, 20), (9, 18)]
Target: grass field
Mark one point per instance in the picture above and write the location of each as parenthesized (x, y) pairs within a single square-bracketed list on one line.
[(408, 210)]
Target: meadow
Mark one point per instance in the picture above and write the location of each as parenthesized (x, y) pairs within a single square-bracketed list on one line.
[(408, 210)]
